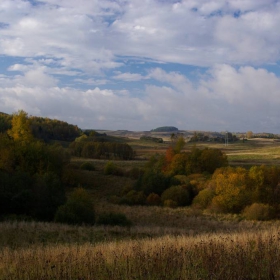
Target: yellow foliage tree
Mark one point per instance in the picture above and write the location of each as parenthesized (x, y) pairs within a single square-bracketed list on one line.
[(231, 190), (178, 164), (21, 127)]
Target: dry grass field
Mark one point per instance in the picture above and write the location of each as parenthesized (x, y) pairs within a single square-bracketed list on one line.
[(243, 255), (162, 243)]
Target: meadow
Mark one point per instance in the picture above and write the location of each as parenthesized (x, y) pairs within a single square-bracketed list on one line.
[(161, 243), (245, 254)]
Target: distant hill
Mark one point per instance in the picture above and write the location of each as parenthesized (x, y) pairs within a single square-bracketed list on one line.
[(165, 129)]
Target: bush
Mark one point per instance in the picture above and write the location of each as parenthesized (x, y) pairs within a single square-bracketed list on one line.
[(153, 199), (170, 203), (135, 173), (49, 196), (259, 212), (78, 209), (87, 166), (177, 194), (133, 198), (72, 166), (204, 198), (112, 169), (183, 179), (152, 182), (113, 219)]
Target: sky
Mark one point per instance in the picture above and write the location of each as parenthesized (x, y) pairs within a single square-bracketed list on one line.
[(139, 64)]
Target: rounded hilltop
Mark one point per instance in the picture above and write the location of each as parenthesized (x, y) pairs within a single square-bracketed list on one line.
[(165, 129)]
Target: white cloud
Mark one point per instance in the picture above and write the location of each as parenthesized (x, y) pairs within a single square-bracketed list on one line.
[(239, 99), (91, 81), (39, 78), (252, 38), (33, 75), (128, 77), (254, 89), (89, 35), (81, 43), (177, 80)]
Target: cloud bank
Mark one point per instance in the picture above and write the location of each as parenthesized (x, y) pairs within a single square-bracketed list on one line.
[(202, 65)]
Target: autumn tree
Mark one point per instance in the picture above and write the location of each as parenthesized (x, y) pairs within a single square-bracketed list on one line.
[(211, 159), (265, 184), (178, 164), (169, 155), (21, 128), (231, 189), (30, 172), (179, 144), (249, 134)]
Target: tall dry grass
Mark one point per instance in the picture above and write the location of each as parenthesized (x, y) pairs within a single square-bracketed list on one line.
[(251, 255), (149, 222)]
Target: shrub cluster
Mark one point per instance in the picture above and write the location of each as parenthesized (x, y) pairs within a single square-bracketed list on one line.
[(87, 166), (113, 219), (78, 209), (254, 192), (179, 195), (259, 212), (112, 169), (100, 150)]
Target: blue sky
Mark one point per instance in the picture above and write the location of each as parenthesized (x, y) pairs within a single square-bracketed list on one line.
[(139, 64)]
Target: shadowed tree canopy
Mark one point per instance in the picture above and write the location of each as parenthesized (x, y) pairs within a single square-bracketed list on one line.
[(30, 172), (165, 129), (5, 122)]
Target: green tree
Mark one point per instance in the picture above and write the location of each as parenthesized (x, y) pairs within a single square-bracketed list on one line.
[(204, 198), (49, 194), (5, 122), (265, 184), (193, 163), (79, 209), (179, 144), (178, 194), (211, 159), (152, 181)]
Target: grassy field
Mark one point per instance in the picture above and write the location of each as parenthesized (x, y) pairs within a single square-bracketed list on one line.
[(247, 254), (162, 243), (253, 151)]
